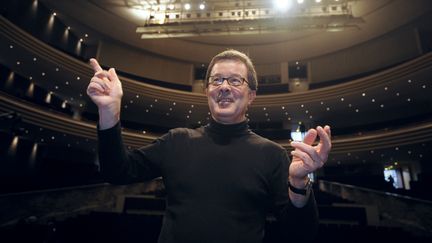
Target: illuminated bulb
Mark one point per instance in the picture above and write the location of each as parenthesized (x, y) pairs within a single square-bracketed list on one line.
[(202, 6), (187, 6)]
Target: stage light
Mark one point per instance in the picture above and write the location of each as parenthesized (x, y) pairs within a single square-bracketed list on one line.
[(282, 5)]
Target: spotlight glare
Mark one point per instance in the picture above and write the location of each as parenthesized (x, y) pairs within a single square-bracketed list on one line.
[(282, 5), (140, 13), (187, 6), (300, 1), (202, 6)]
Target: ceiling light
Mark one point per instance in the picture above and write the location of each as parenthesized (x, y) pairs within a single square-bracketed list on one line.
[(140, 13), (187, 6), (202, 6)]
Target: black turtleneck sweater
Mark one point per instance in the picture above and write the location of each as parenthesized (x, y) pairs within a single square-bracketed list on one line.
[(221, 182)]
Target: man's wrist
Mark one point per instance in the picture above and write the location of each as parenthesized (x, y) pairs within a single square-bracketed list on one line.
[(108, 119), (300, 186), (300, 183)]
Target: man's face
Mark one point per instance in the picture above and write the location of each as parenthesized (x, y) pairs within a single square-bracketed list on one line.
[(228, 104)]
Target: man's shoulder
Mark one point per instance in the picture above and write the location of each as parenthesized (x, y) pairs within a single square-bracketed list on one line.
[(265, 142)]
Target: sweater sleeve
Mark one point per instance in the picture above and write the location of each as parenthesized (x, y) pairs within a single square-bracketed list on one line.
[(294, 223), (122, 166)]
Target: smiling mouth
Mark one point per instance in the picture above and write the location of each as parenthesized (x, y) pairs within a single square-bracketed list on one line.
[(224, 100)]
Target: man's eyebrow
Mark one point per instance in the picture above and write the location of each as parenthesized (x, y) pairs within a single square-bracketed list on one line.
[(233, 74)]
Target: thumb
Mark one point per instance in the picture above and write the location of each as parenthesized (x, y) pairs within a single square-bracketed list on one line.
[(112, 75), (310, 136)]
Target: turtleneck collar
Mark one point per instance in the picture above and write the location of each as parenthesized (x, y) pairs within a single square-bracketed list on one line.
[(228, 130)]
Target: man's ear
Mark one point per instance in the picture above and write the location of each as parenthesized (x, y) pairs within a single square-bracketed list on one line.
[(252, 96)]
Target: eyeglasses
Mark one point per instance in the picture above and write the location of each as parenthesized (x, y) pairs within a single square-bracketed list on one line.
[(235, 80)]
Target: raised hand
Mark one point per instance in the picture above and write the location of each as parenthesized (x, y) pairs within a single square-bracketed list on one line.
[(105, 90), (308, 158)]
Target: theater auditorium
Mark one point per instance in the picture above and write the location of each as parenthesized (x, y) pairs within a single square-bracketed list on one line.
[(363, 67)]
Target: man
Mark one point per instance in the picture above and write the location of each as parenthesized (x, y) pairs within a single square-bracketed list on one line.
[(221, 179)]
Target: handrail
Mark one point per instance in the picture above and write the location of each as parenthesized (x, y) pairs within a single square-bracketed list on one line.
[(375, 191), (62, 123)]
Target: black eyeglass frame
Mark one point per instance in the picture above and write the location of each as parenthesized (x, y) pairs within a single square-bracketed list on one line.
[(243, 80)]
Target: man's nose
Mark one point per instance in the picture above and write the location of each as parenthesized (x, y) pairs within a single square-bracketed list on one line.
[(225, 85)]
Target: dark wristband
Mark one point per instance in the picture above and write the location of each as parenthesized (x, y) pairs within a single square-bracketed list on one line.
[(301, 191)]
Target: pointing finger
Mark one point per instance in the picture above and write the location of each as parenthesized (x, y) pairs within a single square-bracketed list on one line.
[(95, 65)]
